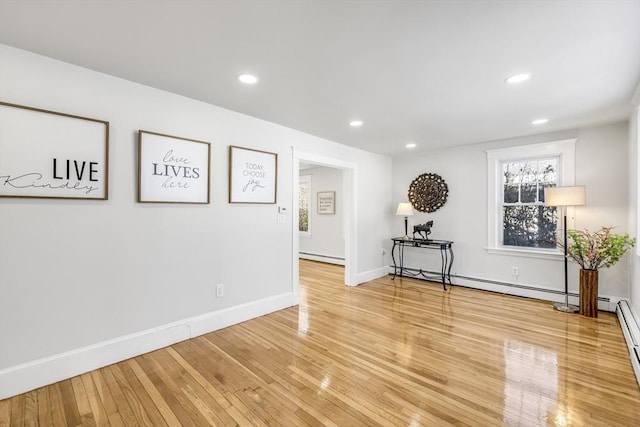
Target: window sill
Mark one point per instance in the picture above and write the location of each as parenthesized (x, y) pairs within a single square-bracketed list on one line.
[(528, 253), (303, 234)]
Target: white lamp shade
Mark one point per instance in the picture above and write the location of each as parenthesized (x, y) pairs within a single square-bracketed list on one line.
[(565, 196), (405, 209)]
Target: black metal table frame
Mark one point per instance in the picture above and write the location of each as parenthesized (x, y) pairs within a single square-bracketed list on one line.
[(446, 254)]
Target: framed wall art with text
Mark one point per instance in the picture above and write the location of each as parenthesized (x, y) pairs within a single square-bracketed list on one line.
[(326, 202), (46, 154), (253, 175), (173, 169)]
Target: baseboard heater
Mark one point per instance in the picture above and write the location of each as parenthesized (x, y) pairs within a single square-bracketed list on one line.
[(322, 258), (631, 330), (493, 282)]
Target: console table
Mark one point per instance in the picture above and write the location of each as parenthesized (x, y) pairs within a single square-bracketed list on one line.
[(446, 254)]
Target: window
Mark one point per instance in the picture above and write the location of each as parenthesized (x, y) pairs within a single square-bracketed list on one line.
[(518, 221), (304, 207), (526, 221)]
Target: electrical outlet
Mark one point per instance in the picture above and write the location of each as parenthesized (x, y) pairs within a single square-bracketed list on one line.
[(515, 271), (219, 290)]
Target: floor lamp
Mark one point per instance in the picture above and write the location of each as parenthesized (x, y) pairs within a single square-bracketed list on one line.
[(565, 196), (406, 210)]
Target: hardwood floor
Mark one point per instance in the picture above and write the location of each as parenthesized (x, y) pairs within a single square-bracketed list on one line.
[(383, 353)]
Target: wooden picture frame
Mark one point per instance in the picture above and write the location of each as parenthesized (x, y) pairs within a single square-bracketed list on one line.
[(253, 176), (52, 155), (172, 169), (326, 202)]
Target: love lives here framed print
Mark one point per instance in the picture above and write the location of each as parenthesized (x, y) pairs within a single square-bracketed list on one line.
[(46, 154), (172, 169)]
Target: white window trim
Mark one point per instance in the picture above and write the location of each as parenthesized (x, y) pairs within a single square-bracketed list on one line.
[(564, 150), (307, 179)]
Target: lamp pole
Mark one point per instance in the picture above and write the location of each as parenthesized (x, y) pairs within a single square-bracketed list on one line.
[(406, 227), (565, 307), (564, 197)]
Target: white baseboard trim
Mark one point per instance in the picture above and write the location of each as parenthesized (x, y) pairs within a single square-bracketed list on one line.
[(605, 302), (322, 258), (31, 375), (544, 294), (631, 329), (371, 275)]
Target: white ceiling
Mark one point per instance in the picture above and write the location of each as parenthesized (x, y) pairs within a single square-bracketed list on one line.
[(429, 72)]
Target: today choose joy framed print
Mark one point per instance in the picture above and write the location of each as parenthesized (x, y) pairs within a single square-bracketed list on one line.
[(253, 175)]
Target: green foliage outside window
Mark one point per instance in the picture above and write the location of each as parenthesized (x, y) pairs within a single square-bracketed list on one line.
[(530, 226), (527, 222), (304, 219), (303, 208)]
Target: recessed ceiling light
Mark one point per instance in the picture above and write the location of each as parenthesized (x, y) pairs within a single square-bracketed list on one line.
[(248, 79), (411, 145), (518, 78), (355, 123), (539, 121)]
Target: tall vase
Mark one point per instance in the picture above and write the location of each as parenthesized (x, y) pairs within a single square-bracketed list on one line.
[(589, 293)]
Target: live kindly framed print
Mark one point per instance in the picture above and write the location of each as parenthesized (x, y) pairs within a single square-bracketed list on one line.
[(46, 154), (172, 169), (253, 175)]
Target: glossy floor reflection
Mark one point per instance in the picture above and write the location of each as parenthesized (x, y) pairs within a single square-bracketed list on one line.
[(530, 382), (388, 353), (476, 358)]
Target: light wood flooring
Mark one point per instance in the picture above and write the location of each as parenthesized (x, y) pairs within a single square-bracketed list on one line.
[(403, 353)]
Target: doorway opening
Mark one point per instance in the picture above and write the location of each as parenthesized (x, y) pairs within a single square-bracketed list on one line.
[(346, 195)]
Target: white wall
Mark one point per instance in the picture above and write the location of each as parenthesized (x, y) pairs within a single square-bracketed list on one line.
[(601, 165), (326, 237), (634, 198), (81, 273)]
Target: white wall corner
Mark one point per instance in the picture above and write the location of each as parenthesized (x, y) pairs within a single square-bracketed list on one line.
[(635, 99), (28, 376), (367, 276), (613, 302)]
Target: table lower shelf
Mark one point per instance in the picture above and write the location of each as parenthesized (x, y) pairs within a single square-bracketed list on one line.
[(430, 276), (446, 253)]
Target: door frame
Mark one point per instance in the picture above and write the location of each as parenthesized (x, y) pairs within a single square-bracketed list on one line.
[(349, 200)]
